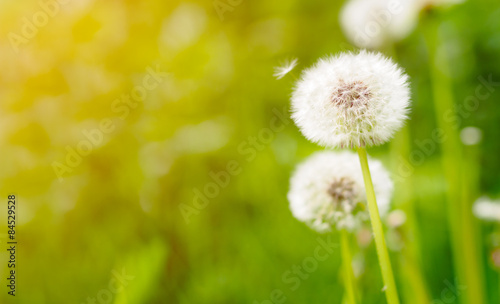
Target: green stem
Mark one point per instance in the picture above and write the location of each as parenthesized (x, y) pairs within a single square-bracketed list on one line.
[(347, 265), (391, 292)]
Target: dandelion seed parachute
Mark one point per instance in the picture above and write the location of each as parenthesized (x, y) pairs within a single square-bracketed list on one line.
[(287, 67), (327, 190), (351, 100)]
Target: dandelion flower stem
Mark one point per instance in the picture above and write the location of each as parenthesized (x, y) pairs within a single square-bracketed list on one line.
[(347, 266), (391, 292)]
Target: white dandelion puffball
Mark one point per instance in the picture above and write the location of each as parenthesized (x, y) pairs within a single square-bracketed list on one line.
[(487, 209), (327, 190), (373, 23), (351, 100)]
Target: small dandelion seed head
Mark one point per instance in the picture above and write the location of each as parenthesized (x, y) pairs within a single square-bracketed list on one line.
[(373, 23), (487, 209), (287, 67), (471, 136), (327, 190), (351, 100)]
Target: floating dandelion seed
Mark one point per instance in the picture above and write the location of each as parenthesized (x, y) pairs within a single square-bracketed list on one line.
[(351, 100), (487, 209), (327, 191), (287, 67)]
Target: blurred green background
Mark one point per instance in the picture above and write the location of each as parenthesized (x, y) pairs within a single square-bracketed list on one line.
[(131, 204)]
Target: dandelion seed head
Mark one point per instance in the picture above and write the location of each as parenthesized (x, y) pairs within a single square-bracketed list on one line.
[(471, 136), (373, 23), (351, 100), (327, 190), (486, 209), (287, 67)]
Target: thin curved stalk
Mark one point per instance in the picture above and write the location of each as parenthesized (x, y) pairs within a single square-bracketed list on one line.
[(391, 292)]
